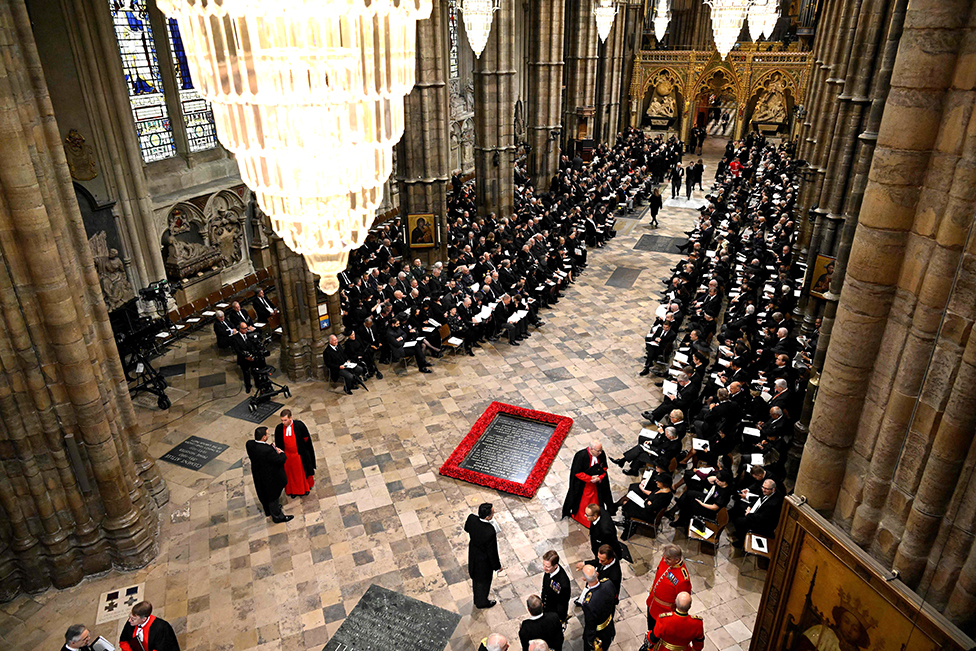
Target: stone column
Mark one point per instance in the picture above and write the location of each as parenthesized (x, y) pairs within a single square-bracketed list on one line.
[(424, 153), (632, 43), (581, 63), (74, 474), (93, 37), (609, 80), (302, 342), (544, 101), (865, 319), (494, 117)]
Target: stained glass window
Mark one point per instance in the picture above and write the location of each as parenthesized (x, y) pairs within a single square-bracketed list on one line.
[(197, 116), (143, 80), (452, 15)]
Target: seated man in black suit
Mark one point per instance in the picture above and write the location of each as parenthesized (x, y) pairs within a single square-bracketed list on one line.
[(237, 315), (78, 638), (263, 307), (223, 329), (762, 517), (703, 504), (336, 362), (541, 625), (397, 337), (683, 398)]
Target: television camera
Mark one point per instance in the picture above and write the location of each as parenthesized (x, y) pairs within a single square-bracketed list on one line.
[(135, 337)]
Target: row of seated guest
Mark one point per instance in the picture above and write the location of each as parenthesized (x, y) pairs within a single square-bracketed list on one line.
[(500, 271), (225, 323), (744, 402)]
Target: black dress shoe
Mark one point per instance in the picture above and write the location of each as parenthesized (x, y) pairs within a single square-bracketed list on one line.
[(633, 472), (379, 376), (644, 372), (425, 370), (471, 352), (247, 389), (287, 518), (514, 343), (491, 602), (620, 462), (347, 390), (646, 415)]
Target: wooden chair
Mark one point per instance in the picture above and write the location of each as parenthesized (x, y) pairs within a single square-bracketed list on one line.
[(212, 299), (263, 275), (713, 531), (199, 305), (239, 286), (185, 311), (762, 558), (251, 280), (445, 333), (654, 525), (174, 316), (226, 293)]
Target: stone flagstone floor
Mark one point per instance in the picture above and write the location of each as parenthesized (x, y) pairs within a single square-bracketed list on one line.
[(227, 578)]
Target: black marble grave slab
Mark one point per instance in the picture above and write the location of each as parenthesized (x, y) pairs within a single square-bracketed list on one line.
[(194, 453), (659, 244), (384, 620), (262, 413), (509, 448), (173, 370), (623, 277)]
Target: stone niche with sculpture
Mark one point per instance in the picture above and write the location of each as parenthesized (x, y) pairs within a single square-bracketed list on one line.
[(661, 100), (770, 112), (205, 244)]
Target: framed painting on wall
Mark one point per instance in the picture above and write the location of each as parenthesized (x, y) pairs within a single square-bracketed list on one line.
[(824, 593)]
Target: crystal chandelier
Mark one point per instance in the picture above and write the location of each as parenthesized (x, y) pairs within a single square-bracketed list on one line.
[(477, 15), (757, 19), (604, 13), (771, 18), (661, 18), (727, 19), (308, 95)]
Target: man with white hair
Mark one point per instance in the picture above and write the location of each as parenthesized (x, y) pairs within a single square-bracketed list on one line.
[(588, 484), (599, 602), (494, 642)]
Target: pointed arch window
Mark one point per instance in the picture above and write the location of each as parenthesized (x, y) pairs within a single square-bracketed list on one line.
[(154, 94)]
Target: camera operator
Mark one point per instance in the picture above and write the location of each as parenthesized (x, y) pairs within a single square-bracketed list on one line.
[(248, 351)]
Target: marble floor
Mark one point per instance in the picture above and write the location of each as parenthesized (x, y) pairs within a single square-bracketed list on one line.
[(227, 578)]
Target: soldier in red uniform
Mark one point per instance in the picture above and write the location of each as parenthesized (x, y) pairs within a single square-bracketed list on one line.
[(671, 578), (677, 631)]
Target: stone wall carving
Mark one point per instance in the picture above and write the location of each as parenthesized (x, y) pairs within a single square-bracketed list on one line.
[(81, 157), (462, 124), (771, 105), (116, 287), (188, 250), (225, 215)]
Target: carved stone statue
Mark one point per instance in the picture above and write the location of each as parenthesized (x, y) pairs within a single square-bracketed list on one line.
[(227, 235), (111, 272), (81, 157), (183, 258), (771, 107), (662, 103)]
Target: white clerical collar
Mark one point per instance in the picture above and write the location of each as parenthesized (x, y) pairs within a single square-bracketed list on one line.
[(610, 564), (594, 522), (537, 616)]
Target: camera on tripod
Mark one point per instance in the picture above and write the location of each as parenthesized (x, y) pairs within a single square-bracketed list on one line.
[(157, 292)]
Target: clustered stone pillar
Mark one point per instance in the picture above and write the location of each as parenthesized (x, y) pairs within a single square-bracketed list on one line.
[(77, 486), (424, 152), (544, 101), (302, 339), (852, 135), (579, 74), (494, 117), (891, 451), (610, 79)]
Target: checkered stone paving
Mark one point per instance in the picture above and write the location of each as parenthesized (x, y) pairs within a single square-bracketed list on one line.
[(227, 578)]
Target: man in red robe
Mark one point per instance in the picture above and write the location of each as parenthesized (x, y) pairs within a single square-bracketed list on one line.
[(146, 632), (588, 484), (292, 436)]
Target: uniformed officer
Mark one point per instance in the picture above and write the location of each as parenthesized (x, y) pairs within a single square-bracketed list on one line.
[(678, 631), (598, 600), (671, 578)]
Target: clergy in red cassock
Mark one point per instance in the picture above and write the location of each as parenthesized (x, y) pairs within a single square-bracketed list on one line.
[(292, 436), (146, 632), (588, 484)]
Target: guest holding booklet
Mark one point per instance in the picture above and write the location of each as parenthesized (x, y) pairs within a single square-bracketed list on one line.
[(645, 499)]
